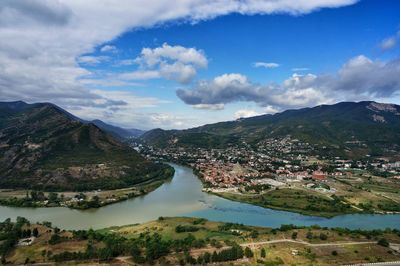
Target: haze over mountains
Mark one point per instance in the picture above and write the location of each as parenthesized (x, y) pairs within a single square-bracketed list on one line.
[(351, 129), (43, 146), (118, 131)]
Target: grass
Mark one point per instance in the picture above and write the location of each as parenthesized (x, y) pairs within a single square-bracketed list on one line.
[(34, 251), (277, 253), (166, 228), (294, 200)]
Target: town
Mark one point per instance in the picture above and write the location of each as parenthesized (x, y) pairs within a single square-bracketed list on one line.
[(288, 163)]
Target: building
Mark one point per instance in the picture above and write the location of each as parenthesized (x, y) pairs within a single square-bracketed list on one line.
[(318, 175)]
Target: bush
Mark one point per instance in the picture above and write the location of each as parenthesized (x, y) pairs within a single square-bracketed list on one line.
[(383, 242), (186, 228), (334, 253), (263, 253), (248, 253), (323, 236)]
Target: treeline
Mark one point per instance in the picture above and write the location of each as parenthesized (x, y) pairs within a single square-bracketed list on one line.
[(147, 248), (33, 199)]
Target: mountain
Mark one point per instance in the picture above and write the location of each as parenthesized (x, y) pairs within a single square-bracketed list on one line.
[(44, 147), (118, 132), (352, 129)]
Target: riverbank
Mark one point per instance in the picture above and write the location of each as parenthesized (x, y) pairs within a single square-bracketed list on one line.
[(77, 200), (184, 241), (183, 196), (302, 198)]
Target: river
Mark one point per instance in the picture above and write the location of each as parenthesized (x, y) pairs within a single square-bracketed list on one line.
[(182, 196)]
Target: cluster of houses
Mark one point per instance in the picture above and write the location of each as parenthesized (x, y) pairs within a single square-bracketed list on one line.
[(275, 162)]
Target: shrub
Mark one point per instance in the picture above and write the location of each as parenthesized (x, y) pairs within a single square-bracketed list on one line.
[(383, 242)]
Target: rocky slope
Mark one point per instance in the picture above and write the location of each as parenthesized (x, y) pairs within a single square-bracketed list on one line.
[(44, 147)]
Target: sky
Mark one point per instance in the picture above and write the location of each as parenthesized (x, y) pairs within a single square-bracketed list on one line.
[(185, 63)]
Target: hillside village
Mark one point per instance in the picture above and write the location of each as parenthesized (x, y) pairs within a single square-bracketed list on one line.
[(285, 163), (275, 162)]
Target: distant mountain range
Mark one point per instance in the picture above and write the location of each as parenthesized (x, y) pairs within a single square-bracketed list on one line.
[(43, 146), (350, 129), (118, 131)]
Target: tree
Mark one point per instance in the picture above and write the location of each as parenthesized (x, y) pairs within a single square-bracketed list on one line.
[(35, 232), (53, 197), (254, 234), (334, 253), (309, 235), (207, 257), (44, 254), (263, 253), (105, 254), (294, 235), (323, 236), (214, 256), (248, 253)]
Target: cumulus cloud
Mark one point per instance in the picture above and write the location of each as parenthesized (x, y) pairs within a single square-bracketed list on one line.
[(359, 77), (265, 65), (131, 111), (243, 113), (42, 41), (172, 62), (270, 110), (235, 87)]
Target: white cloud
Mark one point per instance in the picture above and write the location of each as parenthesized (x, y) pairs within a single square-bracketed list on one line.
[(390, 42), (132, 111), (243, 113), (270, 110), (92, 60), (298, 69), (42, 41), (140, 75), (105, 82), (108, 49), (213, 107), (265, 65), (359, 78), (173, 62)]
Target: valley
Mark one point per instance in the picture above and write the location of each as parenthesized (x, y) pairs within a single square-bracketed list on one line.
[(301, 170)]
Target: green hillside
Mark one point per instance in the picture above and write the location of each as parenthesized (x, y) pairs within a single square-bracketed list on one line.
[(374, 127), (44, 147)]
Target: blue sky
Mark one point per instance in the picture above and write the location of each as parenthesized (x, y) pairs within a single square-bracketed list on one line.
[(340, 50)]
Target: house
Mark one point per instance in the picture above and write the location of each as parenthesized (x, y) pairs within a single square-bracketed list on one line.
[(318, 175)]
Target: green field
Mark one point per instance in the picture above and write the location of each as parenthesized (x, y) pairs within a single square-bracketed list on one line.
[(185, 241)]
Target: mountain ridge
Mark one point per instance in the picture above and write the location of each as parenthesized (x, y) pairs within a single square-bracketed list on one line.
[(43, 146), (374, 124)]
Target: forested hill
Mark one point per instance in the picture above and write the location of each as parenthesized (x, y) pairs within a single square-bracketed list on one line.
[(353, 128), (44, 147)]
